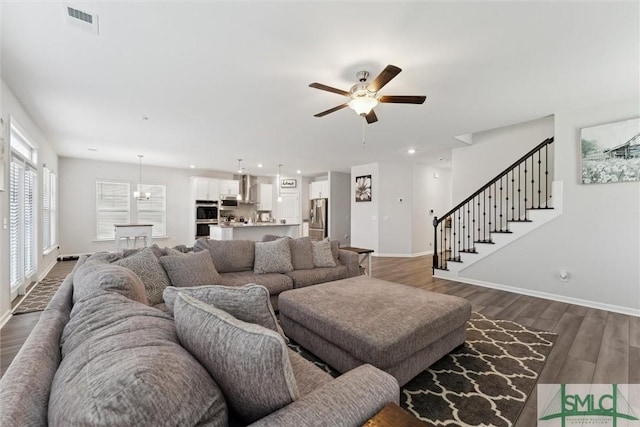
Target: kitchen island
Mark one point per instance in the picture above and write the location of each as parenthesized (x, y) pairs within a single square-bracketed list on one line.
[(240, 231)]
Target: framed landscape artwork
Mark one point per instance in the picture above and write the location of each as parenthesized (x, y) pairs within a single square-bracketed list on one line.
[(363, 188), (611, 152)]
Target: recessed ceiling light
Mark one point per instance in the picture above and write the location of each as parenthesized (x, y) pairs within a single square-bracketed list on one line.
[(440, 158), (411, 151), (298, 171), (192, 166), (144, 118), (92, 149), (259, 165)]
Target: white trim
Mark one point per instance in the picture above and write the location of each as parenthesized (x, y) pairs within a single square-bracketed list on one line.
[(414, 255), (4, 319), (47, 270), (553, 297)]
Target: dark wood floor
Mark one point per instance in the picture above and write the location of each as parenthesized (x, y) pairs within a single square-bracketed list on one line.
[(14, 333), (593, 346)]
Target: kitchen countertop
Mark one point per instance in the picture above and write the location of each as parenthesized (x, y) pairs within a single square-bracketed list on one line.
[(255, 224)]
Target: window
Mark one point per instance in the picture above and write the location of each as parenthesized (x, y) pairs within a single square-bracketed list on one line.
[(112, 207), (22, 210), (153, 211), (49, 209)]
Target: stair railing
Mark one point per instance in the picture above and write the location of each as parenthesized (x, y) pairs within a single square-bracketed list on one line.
[(506, 198)]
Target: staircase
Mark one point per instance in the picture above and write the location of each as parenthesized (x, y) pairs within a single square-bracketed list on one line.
[(514, 203)]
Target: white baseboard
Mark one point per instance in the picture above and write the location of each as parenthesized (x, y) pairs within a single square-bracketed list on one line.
[(545, 295), (46, 271), (4, 319), (417, 254)]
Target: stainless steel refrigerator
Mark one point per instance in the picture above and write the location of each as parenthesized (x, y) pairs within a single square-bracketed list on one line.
[(318, 219)]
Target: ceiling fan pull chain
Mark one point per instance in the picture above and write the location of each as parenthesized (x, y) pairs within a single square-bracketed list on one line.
[(363, 127)]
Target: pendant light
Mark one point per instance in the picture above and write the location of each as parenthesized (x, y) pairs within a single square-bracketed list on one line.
[(136, 194), (239, 196), (279, 171)]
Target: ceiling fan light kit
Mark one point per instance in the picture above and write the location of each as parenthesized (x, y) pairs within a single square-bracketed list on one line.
[(363, 96)]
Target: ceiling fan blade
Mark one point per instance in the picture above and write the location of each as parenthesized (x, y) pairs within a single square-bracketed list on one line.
[(324, 113), (329, 89), (395, 99), (371, 117), (384, 77)]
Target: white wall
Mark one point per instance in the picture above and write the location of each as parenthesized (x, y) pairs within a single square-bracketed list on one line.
[(597, 239), (340, 207), (492, 152), (77, 201), (431, 191), (11, 108), (391, 227), (395, 223), (364, 215)]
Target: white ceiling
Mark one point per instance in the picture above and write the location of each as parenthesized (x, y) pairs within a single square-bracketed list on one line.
[(226, 80)]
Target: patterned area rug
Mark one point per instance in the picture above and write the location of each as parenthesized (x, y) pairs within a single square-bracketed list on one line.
[(39, 296), (484, 382)]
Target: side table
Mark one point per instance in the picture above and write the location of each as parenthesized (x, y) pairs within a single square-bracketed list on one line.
[(361, 251), (394, 416)]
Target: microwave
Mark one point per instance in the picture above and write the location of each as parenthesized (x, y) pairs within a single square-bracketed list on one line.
[(228, 202)]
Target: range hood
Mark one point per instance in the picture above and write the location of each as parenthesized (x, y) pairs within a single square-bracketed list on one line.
[(246, 193)]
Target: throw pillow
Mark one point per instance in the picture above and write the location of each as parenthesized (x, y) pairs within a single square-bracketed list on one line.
[(322, 255), (301, 253), (273, 257), (95, 275), (145, 264), (191, 270), (249, 303), (249, 363)]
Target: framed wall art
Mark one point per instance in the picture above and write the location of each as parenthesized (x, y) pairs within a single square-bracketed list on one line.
[(288, 183), (363, 188), (610, 152)]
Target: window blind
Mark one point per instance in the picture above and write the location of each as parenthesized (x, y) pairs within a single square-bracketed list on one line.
[(112, 207)]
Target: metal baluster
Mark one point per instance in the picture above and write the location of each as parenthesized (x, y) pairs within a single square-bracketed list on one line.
[(546, 176)]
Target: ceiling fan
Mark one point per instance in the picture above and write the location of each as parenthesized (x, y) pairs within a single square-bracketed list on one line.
[(364, 96)]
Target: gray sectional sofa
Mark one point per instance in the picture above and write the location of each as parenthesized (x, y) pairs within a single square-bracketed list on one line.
[(107, 350), (235, 261)]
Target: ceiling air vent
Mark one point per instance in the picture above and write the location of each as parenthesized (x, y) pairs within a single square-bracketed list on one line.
[(81, 18)]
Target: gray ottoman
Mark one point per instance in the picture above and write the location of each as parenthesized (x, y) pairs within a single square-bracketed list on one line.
[(397, 328)]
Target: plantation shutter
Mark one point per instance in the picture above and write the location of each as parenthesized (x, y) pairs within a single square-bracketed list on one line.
[(53, 209), (153, 211), (29, 221), (46, 208), (112, 207), (15, 258)]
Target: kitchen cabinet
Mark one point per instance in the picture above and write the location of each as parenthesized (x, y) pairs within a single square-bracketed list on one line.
[(264, 200), (319, 190), (206, 188), (229, 187)]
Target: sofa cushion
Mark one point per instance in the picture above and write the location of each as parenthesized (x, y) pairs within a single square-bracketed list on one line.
[(145, 264), (249, 362), (272, 257), (274, 282), (301, 253), (249, 303), (302, 278), (124, 366), (229, 255), (96, 275), (190, 270), (322, 255)]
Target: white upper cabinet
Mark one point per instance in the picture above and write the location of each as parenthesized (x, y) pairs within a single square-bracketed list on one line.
[(264, 200), (229, 187), (206, 188), (319, 190)]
